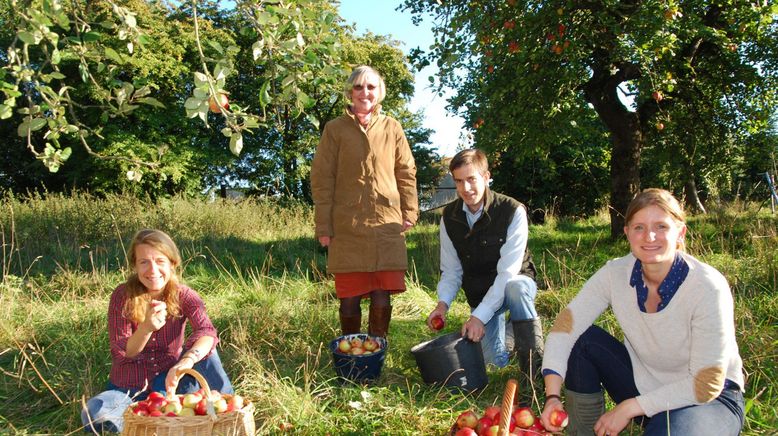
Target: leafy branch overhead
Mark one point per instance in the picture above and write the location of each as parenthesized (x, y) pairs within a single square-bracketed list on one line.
[(100, 45)]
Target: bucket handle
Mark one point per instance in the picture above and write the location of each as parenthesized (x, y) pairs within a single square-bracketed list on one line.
[(507, 407)]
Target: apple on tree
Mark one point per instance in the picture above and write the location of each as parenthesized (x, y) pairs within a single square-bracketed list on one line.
[(217, 102)]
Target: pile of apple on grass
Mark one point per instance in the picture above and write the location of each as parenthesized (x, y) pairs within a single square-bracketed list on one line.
[(523, 422)]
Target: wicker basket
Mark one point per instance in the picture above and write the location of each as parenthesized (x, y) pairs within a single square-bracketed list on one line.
[(235, 423), (506, 408)]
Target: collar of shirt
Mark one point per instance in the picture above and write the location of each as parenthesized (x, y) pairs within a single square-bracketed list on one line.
[(667, 289), (472, 217)]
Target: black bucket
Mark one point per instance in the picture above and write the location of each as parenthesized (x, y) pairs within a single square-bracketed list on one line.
[(453, 361), (364, 367)]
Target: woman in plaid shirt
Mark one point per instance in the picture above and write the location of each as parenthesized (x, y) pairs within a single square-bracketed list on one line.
[(147, 316)]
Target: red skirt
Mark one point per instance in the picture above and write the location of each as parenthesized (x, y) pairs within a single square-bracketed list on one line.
[(354, 284)]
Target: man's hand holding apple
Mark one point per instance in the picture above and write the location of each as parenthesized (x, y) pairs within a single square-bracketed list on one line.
[(439, 312)]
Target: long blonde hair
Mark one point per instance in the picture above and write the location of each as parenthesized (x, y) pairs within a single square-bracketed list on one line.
[(137, 295), (662, 199)]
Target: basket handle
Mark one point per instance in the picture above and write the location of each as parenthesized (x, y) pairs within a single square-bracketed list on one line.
[(507, 407), (203, 384)]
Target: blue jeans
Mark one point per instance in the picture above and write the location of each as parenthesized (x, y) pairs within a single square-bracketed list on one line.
[(599, 360), (106, 408), (520, 302)]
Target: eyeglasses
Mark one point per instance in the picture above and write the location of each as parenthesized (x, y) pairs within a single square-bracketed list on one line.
[(370, 87)]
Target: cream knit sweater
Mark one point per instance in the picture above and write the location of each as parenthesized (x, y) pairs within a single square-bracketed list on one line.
[(680, 355)]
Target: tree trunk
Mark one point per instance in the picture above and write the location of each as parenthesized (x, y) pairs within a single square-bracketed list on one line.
[(692, 196), (626, 139)]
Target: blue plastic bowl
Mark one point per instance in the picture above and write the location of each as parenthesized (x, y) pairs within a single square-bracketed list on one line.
[(361, 367)]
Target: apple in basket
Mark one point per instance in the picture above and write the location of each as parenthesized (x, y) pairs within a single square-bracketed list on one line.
[(524, 417), (467, 419), (191, 400), (173, 407), (235, 403), (201, 408), (370, 344), (466, 431), (356, 342)]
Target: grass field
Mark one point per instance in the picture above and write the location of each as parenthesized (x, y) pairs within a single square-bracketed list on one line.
[(263, 279)]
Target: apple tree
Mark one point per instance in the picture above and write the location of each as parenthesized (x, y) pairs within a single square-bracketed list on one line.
[(525, 72)]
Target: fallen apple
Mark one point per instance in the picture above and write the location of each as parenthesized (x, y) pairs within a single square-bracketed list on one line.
[(524, 417), (467, 419)]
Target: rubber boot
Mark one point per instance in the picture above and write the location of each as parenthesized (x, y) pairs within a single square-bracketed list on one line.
[(350, 323), (583, 411), (378, 322), (528, 347)]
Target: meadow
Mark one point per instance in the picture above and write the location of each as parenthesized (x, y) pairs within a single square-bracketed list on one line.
[(264, 281)]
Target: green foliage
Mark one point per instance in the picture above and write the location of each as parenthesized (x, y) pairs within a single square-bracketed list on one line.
[(263, 283), (527, 75)]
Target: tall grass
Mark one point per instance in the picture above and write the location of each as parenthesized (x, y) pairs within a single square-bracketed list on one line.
[(263, 278)]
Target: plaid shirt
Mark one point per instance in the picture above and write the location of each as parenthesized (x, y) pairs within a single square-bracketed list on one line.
[(164, 347)]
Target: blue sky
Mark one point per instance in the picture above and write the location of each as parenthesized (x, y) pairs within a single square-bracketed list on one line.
[(381, 18)]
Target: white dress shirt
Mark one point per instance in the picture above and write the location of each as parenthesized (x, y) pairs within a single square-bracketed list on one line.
[(508, 267)]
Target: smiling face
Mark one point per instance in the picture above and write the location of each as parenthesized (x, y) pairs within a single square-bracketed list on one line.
[(365, 93), (471, 185), (154, 268), (654, 235)]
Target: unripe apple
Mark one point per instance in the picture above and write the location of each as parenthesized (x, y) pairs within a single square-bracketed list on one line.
[(558, 418), (220, 405), (186, 411), (173, 407), (344, 346), (191, 400), (215, 103)]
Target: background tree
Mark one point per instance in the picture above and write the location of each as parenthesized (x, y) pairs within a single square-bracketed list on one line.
[(524, 72)]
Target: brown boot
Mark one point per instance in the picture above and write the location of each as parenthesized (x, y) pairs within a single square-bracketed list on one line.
[(379, 320), (350, 323)]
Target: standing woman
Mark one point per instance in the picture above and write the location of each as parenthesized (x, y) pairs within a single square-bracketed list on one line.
[(146, 319), (678, 370), (363, 181)]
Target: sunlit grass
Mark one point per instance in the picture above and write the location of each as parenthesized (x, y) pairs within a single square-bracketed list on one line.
[(262, 276)]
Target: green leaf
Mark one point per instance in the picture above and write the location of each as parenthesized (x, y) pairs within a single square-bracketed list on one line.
[(91, 36), (313, 120), (65, 153), (264, 95), (256, 49), (151, 101), (236, 143), (113, 55), (56, 56), (27, 37), (5, 112), (37, 124), (216, 46)]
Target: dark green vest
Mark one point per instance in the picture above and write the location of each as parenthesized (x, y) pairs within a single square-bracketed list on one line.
[(479, 249)]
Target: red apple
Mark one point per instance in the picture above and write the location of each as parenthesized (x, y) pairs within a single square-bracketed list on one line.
[(141, 409), (370, 344), (558, 418), (202, 407), (467, 419), (557, 49), (493, 413), (356, 342), (660, 126), (537, 427), (561, 30), (235, 403), (509, 24), (657, 95), (156, 412), (466, 431), (550, 37), (219, 101), (483, 424), (437, 323), (524, 417), (513, 46), (357, 351), (490, 68), (154, 395)]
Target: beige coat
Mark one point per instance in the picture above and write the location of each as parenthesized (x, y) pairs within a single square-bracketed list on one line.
[(364, 187)]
